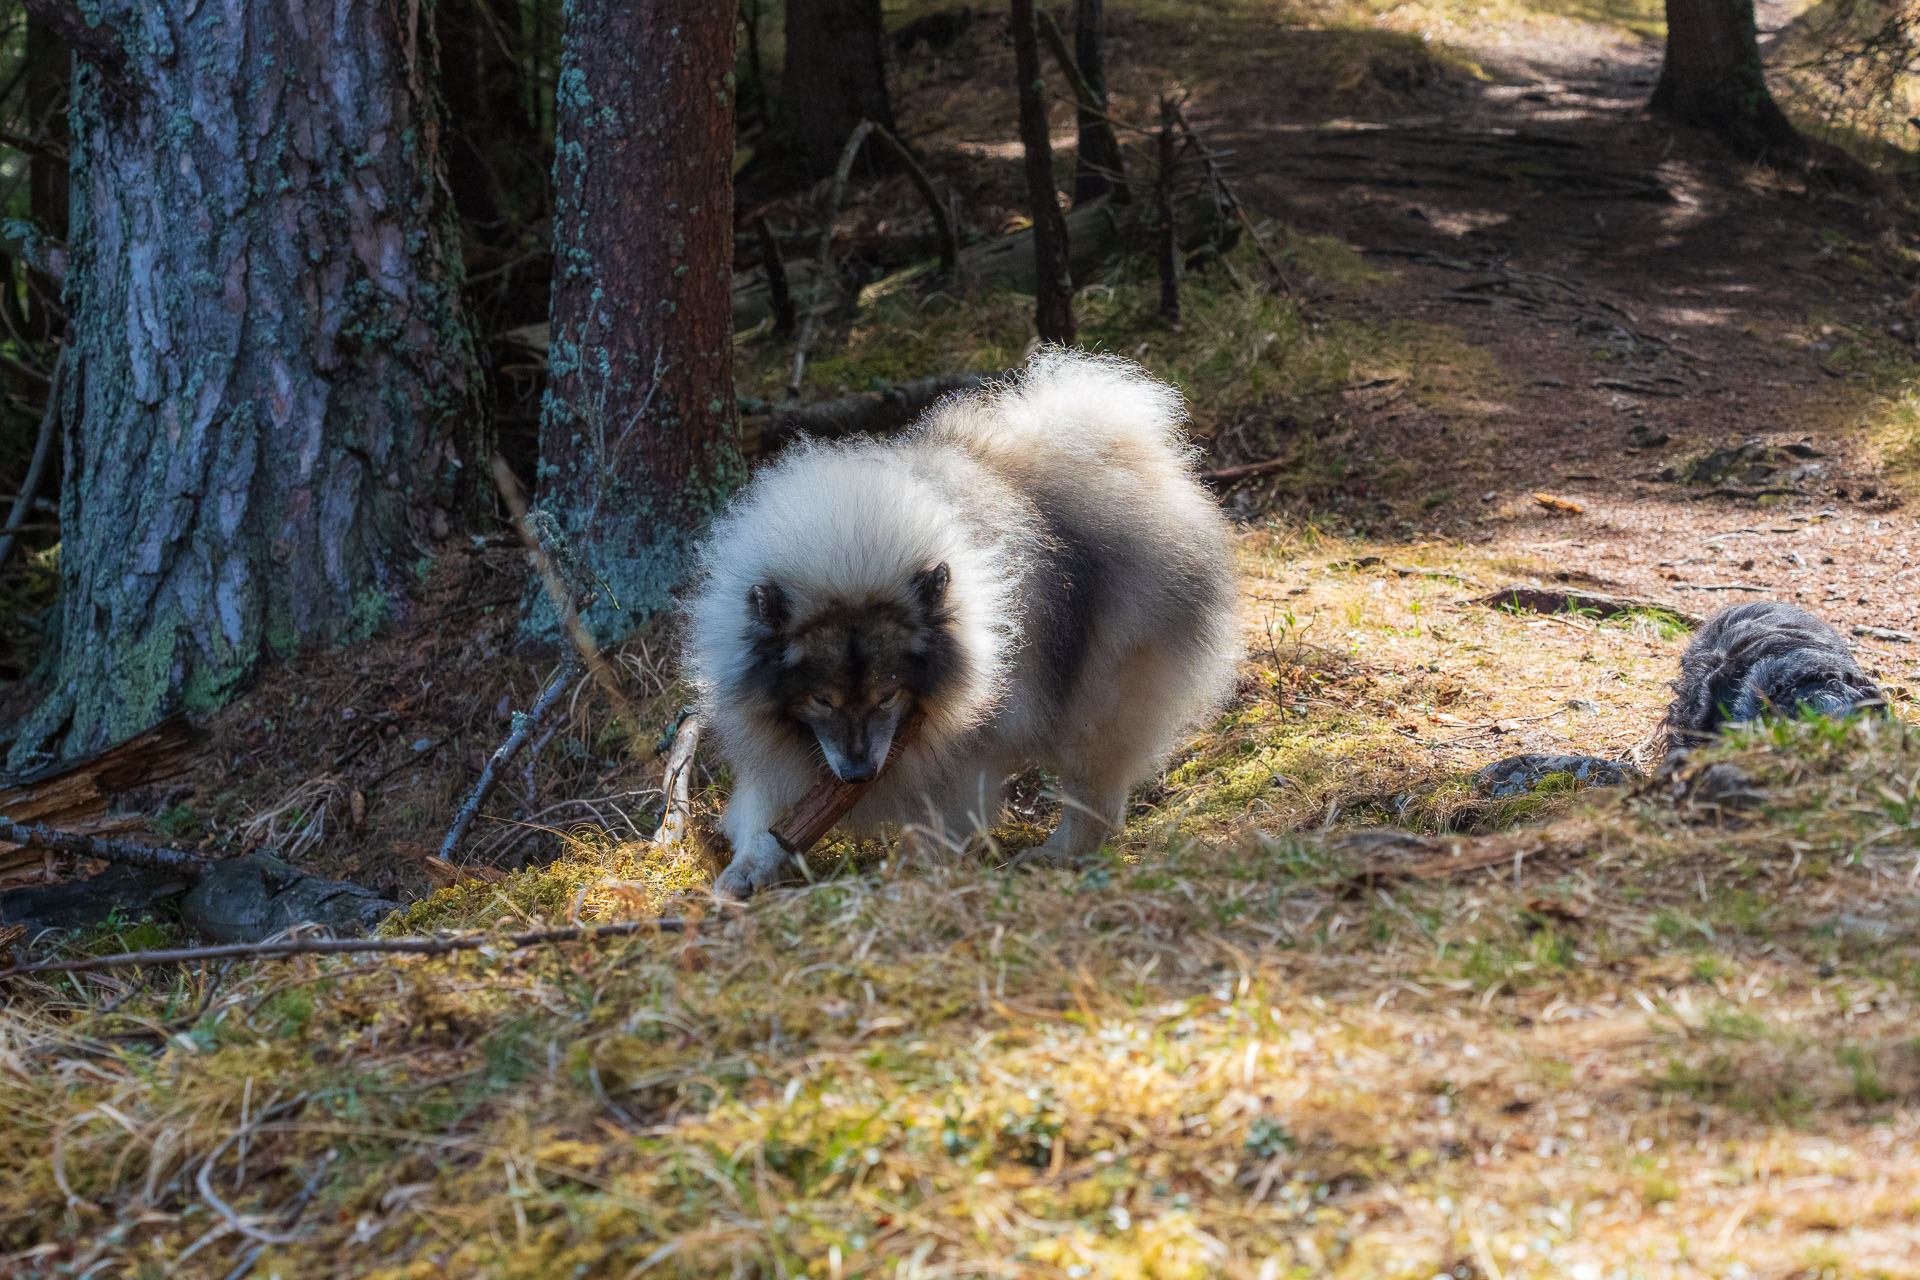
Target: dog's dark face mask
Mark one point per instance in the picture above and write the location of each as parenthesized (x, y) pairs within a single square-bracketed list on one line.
[(849, 675)]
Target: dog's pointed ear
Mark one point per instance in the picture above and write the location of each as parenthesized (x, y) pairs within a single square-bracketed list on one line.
[(767, 603), (930, 586)]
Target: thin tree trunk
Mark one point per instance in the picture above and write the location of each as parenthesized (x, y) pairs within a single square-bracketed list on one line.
[(1713, 79), (835, 76), (1099, 164), (1053, 305), (1169, 238), (638, 439), (272, 379)]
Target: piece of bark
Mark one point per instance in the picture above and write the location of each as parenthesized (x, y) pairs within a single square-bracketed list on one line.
[(815, 813)]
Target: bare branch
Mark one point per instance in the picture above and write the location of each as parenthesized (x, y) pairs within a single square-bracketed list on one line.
[(105, 848), (413, 945)]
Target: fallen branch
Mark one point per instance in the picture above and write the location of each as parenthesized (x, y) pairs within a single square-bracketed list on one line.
[(524, 726), (1228, 475), (104, 848), (869, 412), (1601, 604), (420, 946)]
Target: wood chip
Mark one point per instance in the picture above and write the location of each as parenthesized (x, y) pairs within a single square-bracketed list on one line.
[(1563, 506)]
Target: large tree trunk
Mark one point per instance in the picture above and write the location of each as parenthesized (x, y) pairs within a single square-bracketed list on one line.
[(1713, 79), (1099, 163), (638, 438), (1053, 287), (835, 76), (272, 382)]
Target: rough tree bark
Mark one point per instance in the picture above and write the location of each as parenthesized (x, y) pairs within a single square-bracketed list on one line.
[(1713, 79), (272, 384), (835, 76), (1099, 148), (639, 443), (1053, 302)]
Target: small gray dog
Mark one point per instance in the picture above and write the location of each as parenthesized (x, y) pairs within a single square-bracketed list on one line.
[(1766, 658)]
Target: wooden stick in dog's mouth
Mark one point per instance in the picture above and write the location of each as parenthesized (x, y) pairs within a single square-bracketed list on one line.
[(829, 800)]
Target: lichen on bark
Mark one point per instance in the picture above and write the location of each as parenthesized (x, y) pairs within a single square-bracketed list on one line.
[(638, 438), (274, 381)]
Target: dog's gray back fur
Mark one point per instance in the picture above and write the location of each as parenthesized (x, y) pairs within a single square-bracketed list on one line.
[(1760, 659)]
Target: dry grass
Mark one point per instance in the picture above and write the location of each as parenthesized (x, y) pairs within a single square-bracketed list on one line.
[(1679, 1041)]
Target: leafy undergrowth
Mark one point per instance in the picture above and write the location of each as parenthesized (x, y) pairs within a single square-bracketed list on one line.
[(1678, 1039)]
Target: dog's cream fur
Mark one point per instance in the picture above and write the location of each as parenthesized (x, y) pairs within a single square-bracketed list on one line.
[(1092, 598)]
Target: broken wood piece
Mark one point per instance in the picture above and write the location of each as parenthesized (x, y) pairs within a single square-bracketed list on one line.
[(1531, 598), (1563, 506), (676, 820), (815, 813), (103, 848)]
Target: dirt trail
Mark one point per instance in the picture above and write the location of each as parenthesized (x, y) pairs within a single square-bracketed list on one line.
[(1503, 215)]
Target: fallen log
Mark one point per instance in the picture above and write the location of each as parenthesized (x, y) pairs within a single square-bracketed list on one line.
[(768, 426)]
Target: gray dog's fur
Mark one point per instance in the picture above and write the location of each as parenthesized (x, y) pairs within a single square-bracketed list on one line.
[(1033, 574), (1766, 658)]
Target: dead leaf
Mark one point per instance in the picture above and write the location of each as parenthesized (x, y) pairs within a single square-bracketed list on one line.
[(1561, 506)]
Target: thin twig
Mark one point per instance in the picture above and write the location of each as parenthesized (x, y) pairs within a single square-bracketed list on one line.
[(42, 455), (1231, 198), (420, 946), (942, 221), (105, 848), (523, 728), (825, 275)]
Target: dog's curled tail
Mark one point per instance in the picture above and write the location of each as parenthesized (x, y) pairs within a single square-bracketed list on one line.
[(1074, 406)]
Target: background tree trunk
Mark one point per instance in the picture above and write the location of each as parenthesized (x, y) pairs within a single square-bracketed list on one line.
[(1713, 78), (272, 380), (638, 436), (1053, 287), (1099, 150), (835, 76)]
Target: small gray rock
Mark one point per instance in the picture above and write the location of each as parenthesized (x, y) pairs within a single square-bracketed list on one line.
[(1517, 775), (256, 896)]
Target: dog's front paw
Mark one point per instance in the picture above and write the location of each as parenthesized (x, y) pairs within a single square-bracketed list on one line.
[(761, 865)]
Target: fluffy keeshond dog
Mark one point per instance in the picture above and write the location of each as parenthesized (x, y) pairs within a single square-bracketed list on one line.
[(1764, 659), (1031, 576)]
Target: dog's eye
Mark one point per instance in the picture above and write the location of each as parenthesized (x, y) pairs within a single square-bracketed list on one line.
[(818, 705), (890, 698)]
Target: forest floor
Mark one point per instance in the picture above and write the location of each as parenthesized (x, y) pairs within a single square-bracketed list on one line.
[(1324, 1010)]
